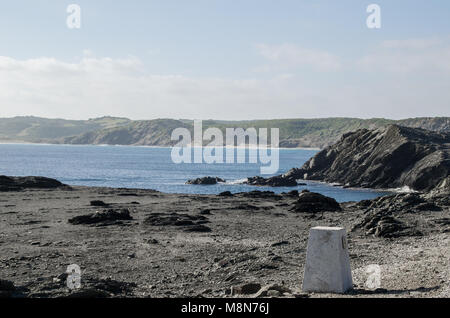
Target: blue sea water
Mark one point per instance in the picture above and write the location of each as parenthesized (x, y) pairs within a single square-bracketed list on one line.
[(150, 168)]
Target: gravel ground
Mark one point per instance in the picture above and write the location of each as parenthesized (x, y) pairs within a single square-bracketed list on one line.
[(211, 244)]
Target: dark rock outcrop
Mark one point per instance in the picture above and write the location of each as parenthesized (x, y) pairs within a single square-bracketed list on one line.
[(22, 183), (199, 228), (6, 285), (261, 195), (205, 212), (225, 194), (206, 181), (190, 223), (246, 289), (109, 217), (293, 193), (441, 194), (393, 157), (387, 226), (311, 202), (6, 288), (401, 203), (173, 219), (98, 203), (278, 181), (394, 216)]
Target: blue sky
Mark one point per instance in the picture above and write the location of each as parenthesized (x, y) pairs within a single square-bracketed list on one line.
[(225, 59)]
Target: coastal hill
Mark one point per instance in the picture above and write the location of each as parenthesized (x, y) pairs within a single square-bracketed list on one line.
[(294, 133), (138, 133), (43, 130), (391, 157)]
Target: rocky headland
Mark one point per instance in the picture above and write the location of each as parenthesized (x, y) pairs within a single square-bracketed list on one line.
[(390, 158)]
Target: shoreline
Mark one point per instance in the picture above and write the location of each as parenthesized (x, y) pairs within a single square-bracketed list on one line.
[(143, 146), (262, 189)]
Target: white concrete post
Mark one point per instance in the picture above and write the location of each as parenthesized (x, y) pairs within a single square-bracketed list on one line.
[(327, 268)]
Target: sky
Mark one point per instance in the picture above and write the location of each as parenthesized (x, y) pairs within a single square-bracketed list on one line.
[(225, 59)]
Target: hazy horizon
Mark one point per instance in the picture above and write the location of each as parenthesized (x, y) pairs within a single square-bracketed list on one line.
[(218, 120)]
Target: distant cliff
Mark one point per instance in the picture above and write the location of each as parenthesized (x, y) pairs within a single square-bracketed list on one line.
[(391, 157), (139, 133), (44, 130), (294, 133)]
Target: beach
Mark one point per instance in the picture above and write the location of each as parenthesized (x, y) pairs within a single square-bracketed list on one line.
[(224, 242)]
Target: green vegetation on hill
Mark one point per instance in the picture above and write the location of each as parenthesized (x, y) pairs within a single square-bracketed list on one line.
[(316, 133), (38, 130), (143, 133)]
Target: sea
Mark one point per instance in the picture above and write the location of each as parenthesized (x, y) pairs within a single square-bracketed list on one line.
[(153, 168)]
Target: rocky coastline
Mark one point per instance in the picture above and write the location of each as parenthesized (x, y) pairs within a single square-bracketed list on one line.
[(387, 158), (143, 243)]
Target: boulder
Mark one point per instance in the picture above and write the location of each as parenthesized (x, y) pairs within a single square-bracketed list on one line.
[(441, 194), (311, 202), (206, 181), (98, 203), (226, 194), (397, 215), (22, 183), (281, 243), (205, 212), (189, 223), (278, 181), (401, 203), (198, 228), (245, 289), (7, 288), (174, 219), (293, 193), (6, 285), (261, 195), (109, 217), (387, 226)]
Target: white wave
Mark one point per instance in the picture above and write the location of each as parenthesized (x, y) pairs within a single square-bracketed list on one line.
[(239, 181), (404, 189)]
